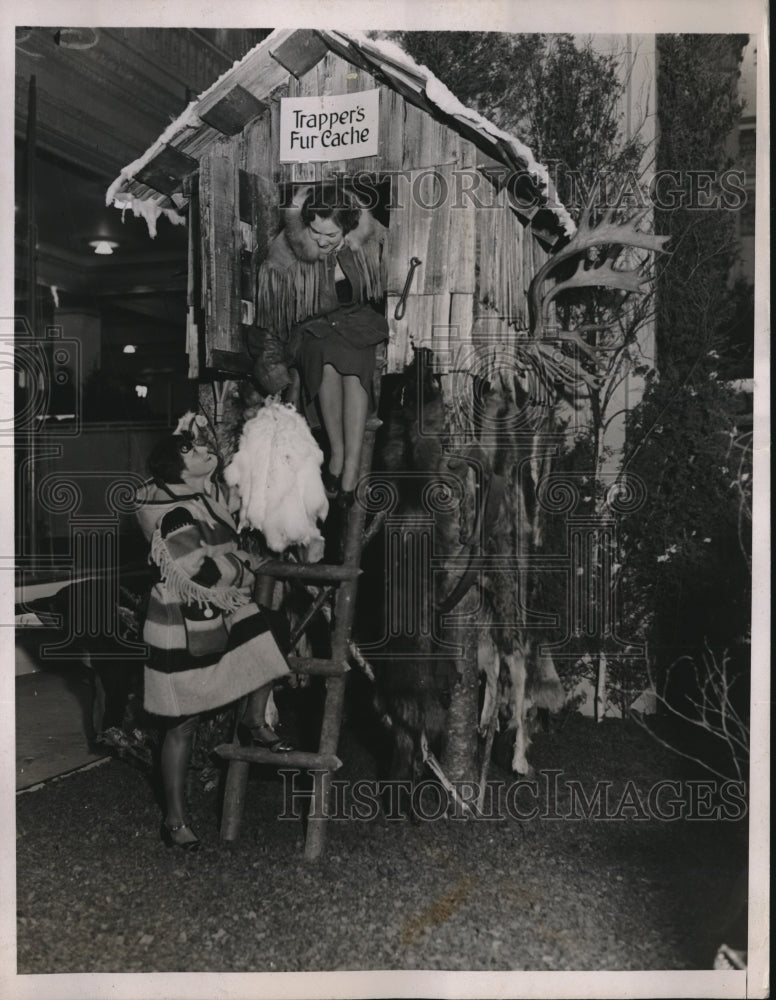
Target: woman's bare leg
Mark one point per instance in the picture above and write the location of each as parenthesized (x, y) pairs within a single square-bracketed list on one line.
[(330, 397), (354, 410), (175, 759)]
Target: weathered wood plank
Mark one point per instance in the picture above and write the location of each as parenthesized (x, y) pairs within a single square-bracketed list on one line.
[(442, 343), (305, 85), (521, 238), (300, 52), (398, 242), (358, 80), (193, 279), (433, 142), (195, 140), (461, 241), (166, 171), (484, 262), (414, 330), (391, 138), (280, 173), (399, 353), (440, 249), (259, 205), (220, 194), (332, 74), (332, 81), (293, 758), (422, 326), (259, 161), (413, 132), (232, 112), (422, 190), (203, 216), (450, 145), (461, 320)]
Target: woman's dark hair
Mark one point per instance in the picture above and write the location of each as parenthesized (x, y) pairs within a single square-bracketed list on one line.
[(165, 463), (331, 202)]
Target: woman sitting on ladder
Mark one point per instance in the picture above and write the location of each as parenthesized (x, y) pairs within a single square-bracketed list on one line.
[(319, 307)]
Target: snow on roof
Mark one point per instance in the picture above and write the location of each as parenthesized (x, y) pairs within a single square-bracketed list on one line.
[(445, 101), (385, 58)]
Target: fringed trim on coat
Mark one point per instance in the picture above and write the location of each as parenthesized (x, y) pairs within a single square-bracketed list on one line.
[(370, 267), (183, 589), (285, 297), (291, 285)]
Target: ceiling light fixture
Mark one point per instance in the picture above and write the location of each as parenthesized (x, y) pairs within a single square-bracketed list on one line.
[(103, 247), (77, 38), (128, 349)]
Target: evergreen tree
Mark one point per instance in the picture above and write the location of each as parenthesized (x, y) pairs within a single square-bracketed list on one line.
[(559, 96), (687, 573), (698, 108)]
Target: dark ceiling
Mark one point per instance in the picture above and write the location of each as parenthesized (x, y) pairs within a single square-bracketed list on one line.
[(101, 97)]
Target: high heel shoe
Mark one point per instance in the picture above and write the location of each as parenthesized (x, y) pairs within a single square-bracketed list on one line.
[(331, 483), (168, 838), (345, 499), (251, 736)]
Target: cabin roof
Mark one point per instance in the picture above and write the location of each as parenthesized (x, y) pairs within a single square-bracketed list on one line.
[(152, 184)]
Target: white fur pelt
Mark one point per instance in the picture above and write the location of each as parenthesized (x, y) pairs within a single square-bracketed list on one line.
[(277, 472)]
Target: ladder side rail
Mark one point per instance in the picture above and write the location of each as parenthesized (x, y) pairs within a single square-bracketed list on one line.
[(344, 610)]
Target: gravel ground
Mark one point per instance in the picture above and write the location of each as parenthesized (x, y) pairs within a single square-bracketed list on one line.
[(98, 892)]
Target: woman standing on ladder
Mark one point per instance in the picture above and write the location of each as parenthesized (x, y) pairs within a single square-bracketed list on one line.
[(209, 644), (319, 307)]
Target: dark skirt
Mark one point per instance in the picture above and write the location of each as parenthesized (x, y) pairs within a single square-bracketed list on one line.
[(346, 339), (332, 349)]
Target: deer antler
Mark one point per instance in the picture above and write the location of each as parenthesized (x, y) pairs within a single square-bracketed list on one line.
[(607, 232), (603, 275)]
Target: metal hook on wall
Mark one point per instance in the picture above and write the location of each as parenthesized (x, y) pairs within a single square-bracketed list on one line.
[(401, 305)]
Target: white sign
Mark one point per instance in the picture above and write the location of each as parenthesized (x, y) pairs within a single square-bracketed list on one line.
[(329, 128)]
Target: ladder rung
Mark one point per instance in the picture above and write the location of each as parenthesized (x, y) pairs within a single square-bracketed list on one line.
[(259, 755), (315, 665), (307, 571)]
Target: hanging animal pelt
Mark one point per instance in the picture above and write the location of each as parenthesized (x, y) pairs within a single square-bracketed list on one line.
[(412, 689), (277, 472), (413, 692), (241, 402)]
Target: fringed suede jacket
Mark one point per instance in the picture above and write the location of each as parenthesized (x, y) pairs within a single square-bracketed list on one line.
[(296, 295)]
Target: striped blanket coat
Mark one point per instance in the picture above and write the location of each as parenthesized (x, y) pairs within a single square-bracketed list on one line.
[(209, 644)]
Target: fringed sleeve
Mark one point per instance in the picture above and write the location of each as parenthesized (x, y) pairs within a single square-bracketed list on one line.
[(371, 264), (286, 296), (181, 587), (309, 284), (276, 300)]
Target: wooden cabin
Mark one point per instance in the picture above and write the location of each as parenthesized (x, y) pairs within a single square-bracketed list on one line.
[(462, 200), (462, 196)]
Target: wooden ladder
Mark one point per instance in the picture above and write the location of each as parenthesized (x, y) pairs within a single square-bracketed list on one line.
[(323, 576)]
